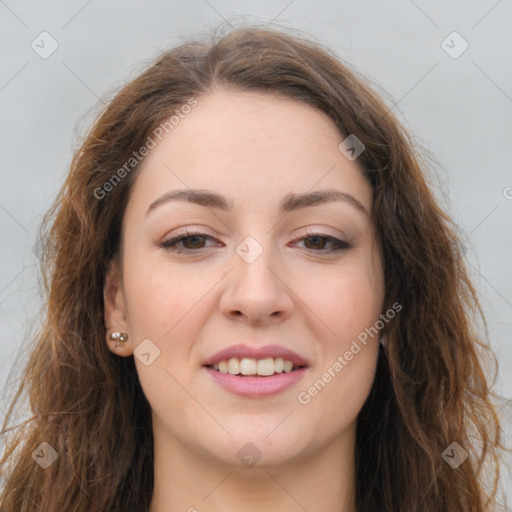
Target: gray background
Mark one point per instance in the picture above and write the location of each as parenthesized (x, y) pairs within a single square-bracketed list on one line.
[(459, 109)]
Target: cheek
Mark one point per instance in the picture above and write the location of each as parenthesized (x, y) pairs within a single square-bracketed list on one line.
[(159, 299), (349, 299), (152, 304), (357, 306), (165, 306), (350, 302), (160, 308), (334, 395)]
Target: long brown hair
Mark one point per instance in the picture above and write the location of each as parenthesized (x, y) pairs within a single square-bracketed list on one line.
[(430, 387)]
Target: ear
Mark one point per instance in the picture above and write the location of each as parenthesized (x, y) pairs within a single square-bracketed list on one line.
[(115, 312)]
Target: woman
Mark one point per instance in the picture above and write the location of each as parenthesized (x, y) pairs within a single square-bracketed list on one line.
[(254, 303)]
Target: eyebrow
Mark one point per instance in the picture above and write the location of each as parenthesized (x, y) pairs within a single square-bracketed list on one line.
[(289, 203)]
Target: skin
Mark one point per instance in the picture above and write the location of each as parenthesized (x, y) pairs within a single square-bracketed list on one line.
[(254, 149)]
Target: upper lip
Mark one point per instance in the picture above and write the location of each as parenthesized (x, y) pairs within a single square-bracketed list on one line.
[(256, 353)]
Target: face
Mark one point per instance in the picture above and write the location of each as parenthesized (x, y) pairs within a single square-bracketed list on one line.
[(260, 270)]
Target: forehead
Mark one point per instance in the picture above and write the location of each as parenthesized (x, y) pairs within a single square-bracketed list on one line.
[(248, 124), (251, 145)]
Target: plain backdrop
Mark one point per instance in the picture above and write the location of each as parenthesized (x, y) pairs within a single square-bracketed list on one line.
[(459, 107)]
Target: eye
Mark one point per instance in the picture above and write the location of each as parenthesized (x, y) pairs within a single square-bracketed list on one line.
[(317, 243), (191, 241)]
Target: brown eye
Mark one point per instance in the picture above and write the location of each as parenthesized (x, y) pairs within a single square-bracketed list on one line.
[(193, 242), (188, 242), (318, 243)]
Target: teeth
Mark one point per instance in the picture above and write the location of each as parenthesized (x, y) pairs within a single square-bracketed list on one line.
[(250, 366), (223, 367), (234, 366), (265, 366), (288, 365)]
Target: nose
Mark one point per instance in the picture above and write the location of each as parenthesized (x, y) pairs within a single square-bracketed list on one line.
[(257, 292)]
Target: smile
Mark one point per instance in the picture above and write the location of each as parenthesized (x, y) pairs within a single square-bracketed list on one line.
[(250, 366), (252, 372)]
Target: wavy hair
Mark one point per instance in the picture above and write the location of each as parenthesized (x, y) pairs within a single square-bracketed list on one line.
[(430, 390)]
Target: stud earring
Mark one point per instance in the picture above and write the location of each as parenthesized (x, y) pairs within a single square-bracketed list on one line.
[(121, 337)]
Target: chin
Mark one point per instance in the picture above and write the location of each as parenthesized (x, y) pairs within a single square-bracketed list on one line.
[(254, 447)]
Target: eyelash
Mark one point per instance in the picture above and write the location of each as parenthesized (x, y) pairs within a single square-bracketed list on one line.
[(171, 243)]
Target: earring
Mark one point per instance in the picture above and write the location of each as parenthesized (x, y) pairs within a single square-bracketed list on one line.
[(121, 337), (383, 341)]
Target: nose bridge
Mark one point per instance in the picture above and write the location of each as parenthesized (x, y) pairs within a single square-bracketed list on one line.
[(253, 261), (254, 287)]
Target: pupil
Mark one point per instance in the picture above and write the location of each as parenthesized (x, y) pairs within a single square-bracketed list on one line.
[(190, 238), (316, 238)]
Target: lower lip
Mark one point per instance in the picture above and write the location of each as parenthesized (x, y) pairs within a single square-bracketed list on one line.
[(255, 387)]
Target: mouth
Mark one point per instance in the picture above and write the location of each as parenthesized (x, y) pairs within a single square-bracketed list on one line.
[(251, 367), (252, 372), (255, 378)]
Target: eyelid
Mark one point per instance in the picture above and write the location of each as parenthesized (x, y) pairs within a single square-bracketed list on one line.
[(187, 233), (339, 243), (318, 231), (191, 231)]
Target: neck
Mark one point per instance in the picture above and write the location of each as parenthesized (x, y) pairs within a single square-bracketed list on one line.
[(188, 481)]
